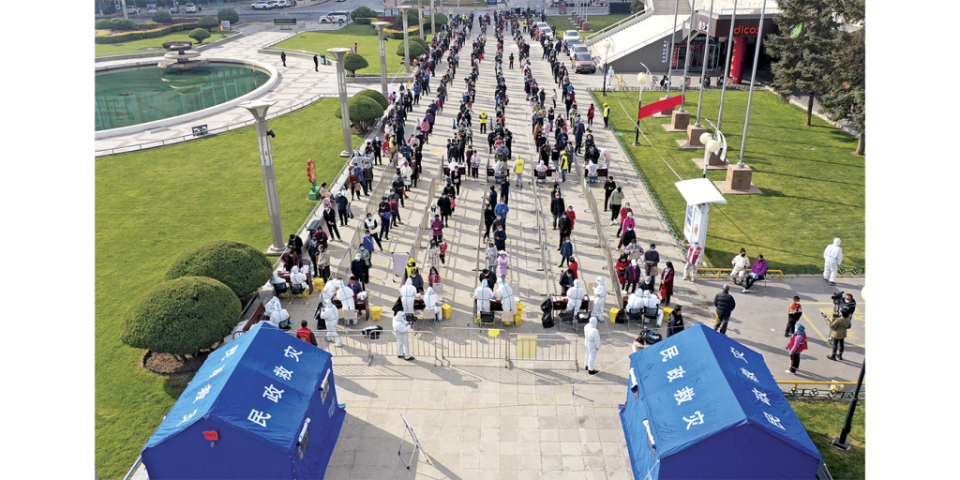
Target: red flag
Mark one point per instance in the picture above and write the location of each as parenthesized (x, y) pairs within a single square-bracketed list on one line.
[(657, 107)]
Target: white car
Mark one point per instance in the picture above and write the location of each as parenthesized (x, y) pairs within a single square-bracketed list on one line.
[(190, 8), (546, 30), (262, 5), (570, 35), (131, 10), (335, 17), (578, 49), (152, 10), (284, 3)]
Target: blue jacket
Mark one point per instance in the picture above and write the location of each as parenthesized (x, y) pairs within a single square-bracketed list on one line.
[(500, 239), (501, 209), (368, 242), (566, 250), (341, 202)]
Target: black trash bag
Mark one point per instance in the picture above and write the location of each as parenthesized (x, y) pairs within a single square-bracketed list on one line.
[(397, 306), (649, 337), (566, 316), (546, 306), (621, 317), (547, 319), (372, 332)]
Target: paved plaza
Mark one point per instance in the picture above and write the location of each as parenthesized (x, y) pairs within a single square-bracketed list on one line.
[(477, 418)]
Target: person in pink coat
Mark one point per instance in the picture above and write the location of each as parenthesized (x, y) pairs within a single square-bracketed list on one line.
[(503, 266), (437, 226)]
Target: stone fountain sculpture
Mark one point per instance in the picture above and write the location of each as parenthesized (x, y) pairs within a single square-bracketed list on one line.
[(179, 58)]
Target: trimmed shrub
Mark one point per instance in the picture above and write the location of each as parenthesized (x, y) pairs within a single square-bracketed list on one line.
[(107, 37), (415, 49), (240, 266), (363, 21), (199, 34), (419, 41), (181, 316), (149, 25), (353, 62), (123, 24), (375, 96), (364, 113), (229, 15), (209, 22), (104, 24), (398, 34), (363, 12)]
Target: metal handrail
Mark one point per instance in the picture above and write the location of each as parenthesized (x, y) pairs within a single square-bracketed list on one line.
[(452, 343), (425, 221), (555, 347), (619, 26), (646, 42)]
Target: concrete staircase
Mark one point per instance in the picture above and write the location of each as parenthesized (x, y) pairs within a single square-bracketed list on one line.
[(638, 32)]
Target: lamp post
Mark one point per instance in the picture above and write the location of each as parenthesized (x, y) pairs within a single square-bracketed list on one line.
[(686, 59), (753, 79), (642, 80), (726, 68), (383, 57), (406, 38), (433, 21), (258, 108), (703, 70), (420, 15), (606, 55), (344, 107)]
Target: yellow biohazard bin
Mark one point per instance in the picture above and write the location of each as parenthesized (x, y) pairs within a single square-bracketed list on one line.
[(613, 314), (375, 312), (318, 284), (447, 311)]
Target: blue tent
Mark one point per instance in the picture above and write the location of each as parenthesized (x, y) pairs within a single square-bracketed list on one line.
[(269, 399), (701, 405)]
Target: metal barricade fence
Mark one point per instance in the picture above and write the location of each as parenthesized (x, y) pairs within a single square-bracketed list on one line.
[(484, 343), (422, 344), (543, 347), (354, 344)]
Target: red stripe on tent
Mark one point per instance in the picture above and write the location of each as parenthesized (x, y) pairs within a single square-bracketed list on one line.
[(660, 106)]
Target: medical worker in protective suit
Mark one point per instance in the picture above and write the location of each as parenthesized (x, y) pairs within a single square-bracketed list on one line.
[(483, 294), (402, 330), (599, 299), (330, 316), (591, 339), (408, 293), (330, 290), (299, 278), (650, 300), (575, 296), (832, 257), (505, 294), (635, 303), (430, 301), (276, 313), (345, 295)]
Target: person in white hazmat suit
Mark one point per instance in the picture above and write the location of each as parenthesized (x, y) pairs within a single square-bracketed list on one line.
[(430, 301), (635, 303), (832, 257), (599, 299), (507, 299), (575, 296), (298, 278), (345, 295), (483, 294), (330, 316), (650, 300), (591, 339), (330, 290), (408, 293), (402, 330), (276, 313)]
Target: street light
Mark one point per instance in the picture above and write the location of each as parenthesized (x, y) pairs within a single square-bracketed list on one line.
[(406, 38), (340, 53), (258, 108), (383, 57), (606, 55), (642, 80)]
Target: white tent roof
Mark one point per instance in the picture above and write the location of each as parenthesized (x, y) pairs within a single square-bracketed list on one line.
[(699, 190)]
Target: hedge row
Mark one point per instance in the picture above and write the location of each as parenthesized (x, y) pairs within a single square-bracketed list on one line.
[(364, 21), (128, 36), (398, 34)]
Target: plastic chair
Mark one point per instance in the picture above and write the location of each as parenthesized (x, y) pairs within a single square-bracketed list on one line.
[(652, 313)]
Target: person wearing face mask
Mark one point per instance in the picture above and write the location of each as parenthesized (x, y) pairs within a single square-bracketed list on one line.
[(500, 238), (402, 330), (330, 218), (503, 266), (741, 263), (599, 299), (591, 339), (488, 217), (633, 274), (625, 211), (330, 317), (628, 237), (616, 199), (651, 259), (566, 226), (693, 259), (408, 293), (557, 207), (483, 294), (502, 209), (575, 296), (566, 251), (832, 256)]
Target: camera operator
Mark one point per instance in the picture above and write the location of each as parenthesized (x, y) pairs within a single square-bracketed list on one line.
[(844, 306)]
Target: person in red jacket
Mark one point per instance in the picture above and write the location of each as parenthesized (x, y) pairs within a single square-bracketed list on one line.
[(798, 343), (793, 315), (306, 334), (572, 216), (666, 283)]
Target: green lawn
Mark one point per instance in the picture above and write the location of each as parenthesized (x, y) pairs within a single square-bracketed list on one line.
[(367, 45), (137, 46), (150, 206), (823, 420), (597, 22), (812, 183)]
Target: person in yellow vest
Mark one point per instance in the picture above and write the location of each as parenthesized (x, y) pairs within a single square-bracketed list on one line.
[(564, 165), (451, 13), (606, 115), (483, 121), (518, 169), (411, 266)]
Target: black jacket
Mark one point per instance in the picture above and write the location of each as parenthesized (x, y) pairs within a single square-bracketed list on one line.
[(557, 206), (565, 225), (724, 303), (489, 216), (490, 278), (651, 256), (444, 204)]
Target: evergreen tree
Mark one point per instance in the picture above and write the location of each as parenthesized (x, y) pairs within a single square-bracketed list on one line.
[(803, 61), (846, 96)]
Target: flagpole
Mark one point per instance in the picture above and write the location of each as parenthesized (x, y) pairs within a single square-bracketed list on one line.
[(753, 79), (676, 12), (726, 71), (703, 68), (686, 59)]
